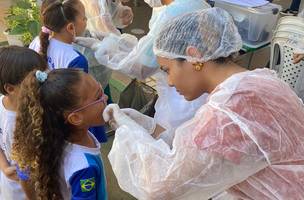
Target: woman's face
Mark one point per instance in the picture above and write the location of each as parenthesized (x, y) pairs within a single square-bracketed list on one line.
[(183, 76)]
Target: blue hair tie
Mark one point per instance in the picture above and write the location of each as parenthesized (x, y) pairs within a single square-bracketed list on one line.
[(41, 76)]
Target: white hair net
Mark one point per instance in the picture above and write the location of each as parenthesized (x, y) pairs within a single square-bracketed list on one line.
[(212, 31)]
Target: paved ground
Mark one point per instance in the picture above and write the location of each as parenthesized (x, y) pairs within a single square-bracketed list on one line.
[(4, 4)]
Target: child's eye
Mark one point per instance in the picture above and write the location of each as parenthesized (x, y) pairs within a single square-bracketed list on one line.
[(164, 69)]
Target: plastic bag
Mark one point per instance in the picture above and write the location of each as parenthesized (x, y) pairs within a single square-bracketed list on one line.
[(138, 96)]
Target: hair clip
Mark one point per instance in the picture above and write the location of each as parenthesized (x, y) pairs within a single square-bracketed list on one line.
[(41, 76), (44, 29)]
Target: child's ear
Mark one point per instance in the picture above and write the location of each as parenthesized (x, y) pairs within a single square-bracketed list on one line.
[(75, 119), (9, 88), (71, 28)]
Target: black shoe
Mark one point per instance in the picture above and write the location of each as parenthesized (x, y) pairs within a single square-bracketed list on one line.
[(289, 12)]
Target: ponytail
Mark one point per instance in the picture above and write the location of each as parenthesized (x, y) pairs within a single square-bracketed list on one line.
[(44, 43), (41, 131), (55, 15)]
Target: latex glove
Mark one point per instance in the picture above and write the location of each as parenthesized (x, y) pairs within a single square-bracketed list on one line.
[(145, 121), (87, 42), (118, 118), (297, 58), (99, 35), (106, 49)]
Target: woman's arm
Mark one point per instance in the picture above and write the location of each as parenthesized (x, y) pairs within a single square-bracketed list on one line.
[(205, 159)]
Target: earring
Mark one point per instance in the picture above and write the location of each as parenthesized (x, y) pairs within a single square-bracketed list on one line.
[(198, 66)]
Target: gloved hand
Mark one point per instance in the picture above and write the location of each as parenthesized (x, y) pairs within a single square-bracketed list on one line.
[(99, 35), (104, 49), (117, 118), (87, 42), (145, 121)]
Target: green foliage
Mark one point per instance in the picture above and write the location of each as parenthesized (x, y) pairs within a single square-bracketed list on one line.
[(23, 18)]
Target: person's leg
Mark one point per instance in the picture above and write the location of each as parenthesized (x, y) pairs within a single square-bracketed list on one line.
[(293, 9), (295, 4)]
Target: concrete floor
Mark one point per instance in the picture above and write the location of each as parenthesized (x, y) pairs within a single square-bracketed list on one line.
[(142, 14)]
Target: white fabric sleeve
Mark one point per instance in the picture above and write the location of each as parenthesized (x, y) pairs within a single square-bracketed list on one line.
[(193, 168)]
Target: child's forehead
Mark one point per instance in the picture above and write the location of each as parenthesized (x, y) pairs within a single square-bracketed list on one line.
[(89, 84)]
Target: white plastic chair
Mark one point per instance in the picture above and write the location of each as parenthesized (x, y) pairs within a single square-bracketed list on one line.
[(290, 27), (282, 54), (290, 19)]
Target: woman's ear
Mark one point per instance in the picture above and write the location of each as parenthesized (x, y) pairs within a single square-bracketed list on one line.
[(75, 119), (193, 52)]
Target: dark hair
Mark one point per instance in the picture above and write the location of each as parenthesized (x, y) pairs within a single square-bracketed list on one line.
[(15, 63), (224, 60), (41, 125), (220, 60), (54, 16)]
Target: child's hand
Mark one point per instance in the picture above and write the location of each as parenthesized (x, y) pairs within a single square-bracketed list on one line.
[(10, 172), (297, 58)]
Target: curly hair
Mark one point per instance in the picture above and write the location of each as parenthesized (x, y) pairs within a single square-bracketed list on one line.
[(55, 15), (41, 131)]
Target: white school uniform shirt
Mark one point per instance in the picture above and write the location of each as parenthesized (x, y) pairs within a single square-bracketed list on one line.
[(82, 173), (61, 55), (9, 189)]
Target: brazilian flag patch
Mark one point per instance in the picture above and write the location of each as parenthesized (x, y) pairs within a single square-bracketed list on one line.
[(87, 185)]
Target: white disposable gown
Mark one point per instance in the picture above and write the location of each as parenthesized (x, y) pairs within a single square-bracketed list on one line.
[(247, 139)]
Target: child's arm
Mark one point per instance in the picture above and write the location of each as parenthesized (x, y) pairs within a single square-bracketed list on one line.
[(8, 171), (85, 185), (28, 188), (80, 62), (26, 183)]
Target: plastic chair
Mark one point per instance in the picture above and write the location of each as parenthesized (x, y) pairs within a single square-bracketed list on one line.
[(290, 19), (290, 27), (282, 56)]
